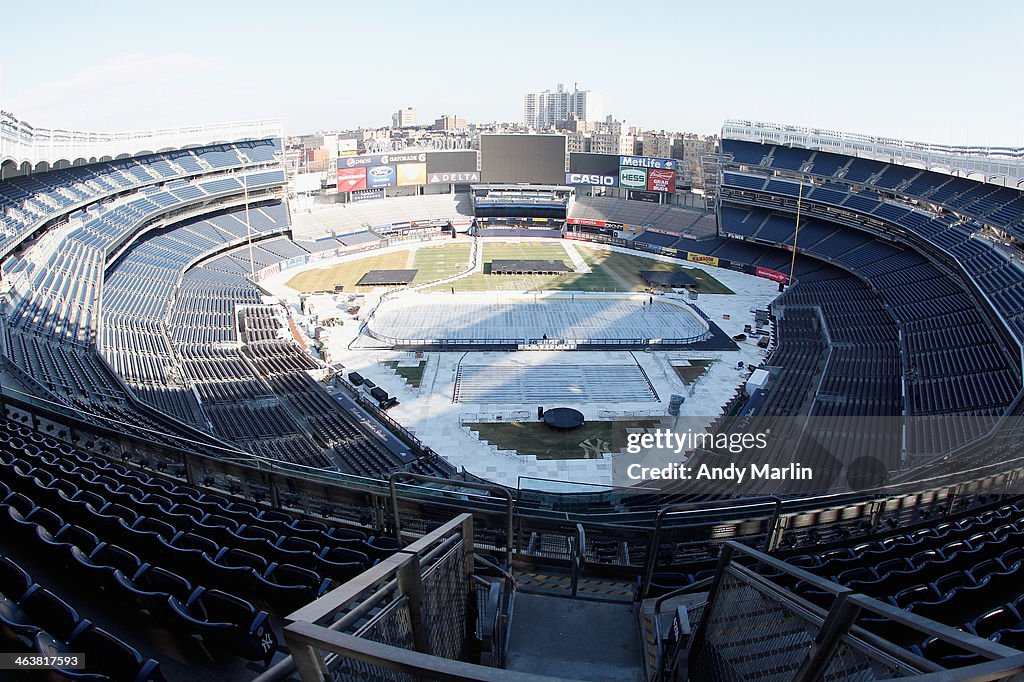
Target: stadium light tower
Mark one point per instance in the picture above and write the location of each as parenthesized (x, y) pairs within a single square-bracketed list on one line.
[(796, 232), (248, 228)]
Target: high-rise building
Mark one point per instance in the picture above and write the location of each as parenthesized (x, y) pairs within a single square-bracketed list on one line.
[(545, 109), (447, 122), (404, 118), (657, 144)]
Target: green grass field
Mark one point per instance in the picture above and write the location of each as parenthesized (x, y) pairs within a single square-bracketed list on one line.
[(544, 442), (433, 262), (610, 270), (412, 375)]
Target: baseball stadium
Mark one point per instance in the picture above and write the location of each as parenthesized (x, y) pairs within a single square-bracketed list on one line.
[(511, 412)]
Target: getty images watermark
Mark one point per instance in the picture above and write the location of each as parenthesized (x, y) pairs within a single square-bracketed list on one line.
[(676, 443)]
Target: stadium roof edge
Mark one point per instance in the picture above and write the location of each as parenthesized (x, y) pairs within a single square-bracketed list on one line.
[(21, 141), (993, 163)]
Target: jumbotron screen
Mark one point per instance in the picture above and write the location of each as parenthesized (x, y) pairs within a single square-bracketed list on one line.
[(523, 158)]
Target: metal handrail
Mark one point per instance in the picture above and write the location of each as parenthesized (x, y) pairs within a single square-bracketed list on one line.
[(652, 548), (579, 557), (838, 620), (491, 488)]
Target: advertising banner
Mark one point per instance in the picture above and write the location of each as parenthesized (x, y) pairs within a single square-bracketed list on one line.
[(633, 178), (590, 179), (268, 271), (660, 180), (351, 179), (412, 174), (701, 258), (454, 176), (585, 221), (647, 162), (773, 275), (366, 160), (648, 197), (380, 176), (365, 194), (322, 255)]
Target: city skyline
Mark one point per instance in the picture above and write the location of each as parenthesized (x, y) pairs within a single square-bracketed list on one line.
[(926, 72)]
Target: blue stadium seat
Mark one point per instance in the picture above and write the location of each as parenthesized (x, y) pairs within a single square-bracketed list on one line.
[(37, 611), (107, 658), (286, 587), (999, 618), (341, 564), (224, 620), (14, 581)]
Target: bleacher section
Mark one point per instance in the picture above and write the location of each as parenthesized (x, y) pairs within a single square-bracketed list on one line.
[(137, 297), (993, 267), (57, 290), (945, 339), (347, 220), (258, 394), (168, 330), (956, 360), (669, 218), (28, 203)]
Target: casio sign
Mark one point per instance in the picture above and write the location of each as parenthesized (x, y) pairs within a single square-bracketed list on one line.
[(588, 179)]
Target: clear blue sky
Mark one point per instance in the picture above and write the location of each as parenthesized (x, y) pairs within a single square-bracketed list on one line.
[(946, 72)]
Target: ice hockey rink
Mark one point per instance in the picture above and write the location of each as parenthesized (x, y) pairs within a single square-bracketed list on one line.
[(525, 318)]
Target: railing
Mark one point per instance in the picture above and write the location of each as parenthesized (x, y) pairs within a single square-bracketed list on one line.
[(406, 617), (751, 624), (486, 487)]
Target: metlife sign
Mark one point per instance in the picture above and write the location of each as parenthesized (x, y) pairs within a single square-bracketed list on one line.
[(591, 179), (647, 162), (633, 178)]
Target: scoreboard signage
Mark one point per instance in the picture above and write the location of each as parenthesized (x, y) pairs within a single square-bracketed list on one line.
[(660, 180), (591, 179), (367, 160), (633, 178), (351, 179), (412, 174), (647, 162), (463, 176), (586, 221), (380, 176)]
